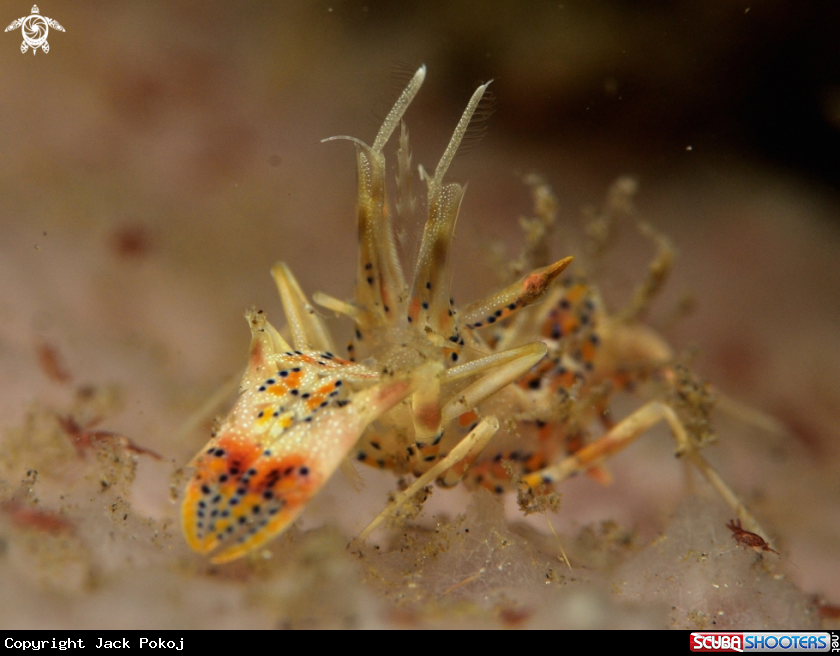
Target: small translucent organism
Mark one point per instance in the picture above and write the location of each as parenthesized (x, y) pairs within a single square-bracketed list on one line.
[(438, 381), (747, 539)]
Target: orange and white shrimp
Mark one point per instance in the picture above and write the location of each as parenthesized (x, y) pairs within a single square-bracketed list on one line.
[(439, 382)]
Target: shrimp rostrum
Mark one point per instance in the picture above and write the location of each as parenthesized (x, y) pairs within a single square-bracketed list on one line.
[(501, 393)]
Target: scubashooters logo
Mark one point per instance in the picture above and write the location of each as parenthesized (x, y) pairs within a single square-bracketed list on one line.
[(798, 641), (35, 29)]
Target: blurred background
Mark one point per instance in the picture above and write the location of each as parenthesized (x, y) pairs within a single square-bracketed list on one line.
[(163, 155)]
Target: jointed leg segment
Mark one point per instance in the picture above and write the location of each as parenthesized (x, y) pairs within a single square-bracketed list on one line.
[(497, 371), (622, 435), (468, 448)]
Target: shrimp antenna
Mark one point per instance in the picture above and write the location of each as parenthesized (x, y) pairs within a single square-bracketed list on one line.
[(395, 115)]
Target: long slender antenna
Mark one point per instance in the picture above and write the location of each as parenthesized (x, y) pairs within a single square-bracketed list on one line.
[(395, 115), (459, 133)]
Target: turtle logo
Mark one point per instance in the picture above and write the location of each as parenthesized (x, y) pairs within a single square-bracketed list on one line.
[(35, 29)]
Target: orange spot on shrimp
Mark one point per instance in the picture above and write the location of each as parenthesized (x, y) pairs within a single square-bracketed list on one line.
[(468, 419), (414, 309), (428, 415), (241, 495), (314, 402)]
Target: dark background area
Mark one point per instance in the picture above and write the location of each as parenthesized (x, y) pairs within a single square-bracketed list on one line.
[(761, 79)]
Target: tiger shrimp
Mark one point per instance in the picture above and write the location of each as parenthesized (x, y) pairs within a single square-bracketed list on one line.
[(530, 367)]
